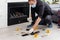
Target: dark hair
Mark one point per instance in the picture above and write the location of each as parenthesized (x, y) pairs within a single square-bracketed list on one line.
[(30, 0)]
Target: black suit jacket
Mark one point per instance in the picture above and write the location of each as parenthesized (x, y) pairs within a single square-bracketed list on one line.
[(42, 9)]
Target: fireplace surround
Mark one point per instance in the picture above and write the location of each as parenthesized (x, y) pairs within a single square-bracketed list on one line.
[(17, 12)]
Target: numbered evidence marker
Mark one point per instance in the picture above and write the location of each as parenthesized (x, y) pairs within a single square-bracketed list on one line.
[(35, 35), (18, 29), (48, 31)]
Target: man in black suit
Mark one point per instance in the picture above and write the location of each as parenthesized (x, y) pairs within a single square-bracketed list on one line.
[(44, 14)]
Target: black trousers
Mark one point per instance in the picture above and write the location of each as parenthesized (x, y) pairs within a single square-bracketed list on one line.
[(44, 21)]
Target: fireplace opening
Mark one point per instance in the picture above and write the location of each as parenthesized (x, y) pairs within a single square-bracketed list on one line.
[(17, 13)]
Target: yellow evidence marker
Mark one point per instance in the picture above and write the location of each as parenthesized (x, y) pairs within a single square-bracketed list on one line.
[(48, 31), (17, 28), (35, 35)]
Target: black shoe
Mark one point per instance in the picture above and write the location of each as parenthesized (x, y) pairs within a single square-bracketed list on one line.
[(50, 25), (28, 27)]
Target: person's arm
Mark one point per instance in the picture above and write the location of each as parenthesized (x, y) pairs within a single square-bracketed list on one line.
[(40, 10), (36, 23), (40, 14)]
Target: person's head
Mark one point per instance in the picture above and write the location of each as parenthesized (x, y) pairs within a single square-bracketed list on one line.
[(32, 2)]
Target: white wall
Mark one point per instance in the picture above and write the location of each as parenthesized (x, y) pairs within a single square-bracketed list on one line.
[(3, 11), (17, 0), (50, 1)]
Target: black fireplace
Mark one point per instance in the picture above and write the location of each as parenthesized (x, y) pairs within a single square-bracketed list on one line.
[(17, 12)]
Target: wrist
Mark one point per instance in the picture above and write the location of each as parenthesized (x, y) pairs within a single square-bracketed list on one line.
[(35, 27)]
